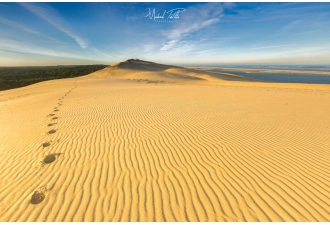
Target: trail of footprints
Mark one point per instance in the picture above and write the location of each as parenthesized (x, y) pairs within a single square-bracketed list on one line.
[(41, 193), (147, 81)]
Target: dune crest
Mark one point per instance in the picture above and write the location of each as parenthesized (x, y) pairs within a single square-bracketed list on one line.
[(135, 68)]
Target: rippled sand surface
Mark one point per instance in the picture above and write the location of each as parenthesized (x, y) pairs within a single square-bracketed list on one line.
[(140, 141)]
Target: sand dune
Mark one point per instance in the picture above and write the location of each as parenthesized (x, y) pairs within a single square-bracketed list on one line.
[(140, 141), (148, 70)]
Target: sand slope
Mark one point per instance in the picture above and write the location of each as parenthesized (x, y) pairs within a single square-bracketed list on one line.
[(131, 143)]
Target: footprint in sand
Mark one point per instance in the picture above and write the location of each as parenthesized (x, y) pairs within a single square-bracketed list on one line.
[(51, 124), (52, 114), (51, 158), (39, 195), (48, 159), (51, 131), (46, 144), (54, 118), (56, 110)]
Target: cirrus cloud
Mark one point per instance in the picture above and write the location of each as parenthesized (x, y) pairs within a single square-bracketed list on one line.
[(51, 16), (194, 18)]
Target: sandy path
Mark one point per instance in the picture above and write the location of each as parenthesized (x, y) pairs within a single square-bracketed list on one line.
[(122, 150)]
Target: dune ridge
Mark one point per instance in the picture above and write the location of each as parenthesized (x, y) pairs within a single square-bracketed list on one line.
[(144, 69), (120, 145)]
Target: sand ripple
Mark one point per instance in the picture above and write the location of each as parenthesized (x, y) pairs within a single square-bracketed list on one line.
[(120, 150)]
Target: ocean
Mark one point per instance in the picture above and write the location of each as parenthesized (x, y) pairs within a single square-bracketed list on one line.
[(310, 78)]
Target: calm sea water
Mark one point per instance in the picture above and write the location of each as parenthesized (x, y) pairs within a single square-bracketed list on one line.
[(284, 78), (280, 67)]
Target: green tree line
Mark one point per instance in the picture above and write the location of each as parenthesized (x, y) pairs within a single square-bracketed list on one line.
[(14, 77)]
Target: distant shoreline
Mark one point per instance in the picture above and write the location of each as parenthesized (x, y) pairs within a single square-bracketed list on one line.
[(275, 75)]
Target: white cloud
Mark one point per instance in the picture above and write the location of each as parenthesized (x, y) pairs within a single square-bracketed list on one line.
[(272, 46), (168, 45), (22, 27), (17, 25), (290, 26), (148, 48), (284, 30), (194, 18), (7, 45), (106, 55), (50, 15)]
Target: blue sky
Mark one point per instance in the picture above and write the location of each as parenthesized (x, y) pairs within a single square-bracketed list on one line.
[(203, 33)]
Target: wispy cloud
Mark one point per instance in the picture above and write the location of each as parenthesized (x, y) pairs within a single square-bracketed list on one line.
[(287, 28), (20, 47), (17, 25), (51, 15), (182, 49), (290, 26), (272, 46), (193, 19), (104, 54), (148, 48), (22, 27), (170, 44)]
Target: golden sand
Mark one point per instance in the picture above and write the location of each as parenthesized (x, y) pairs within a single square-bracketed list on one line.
[(140, 141)]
